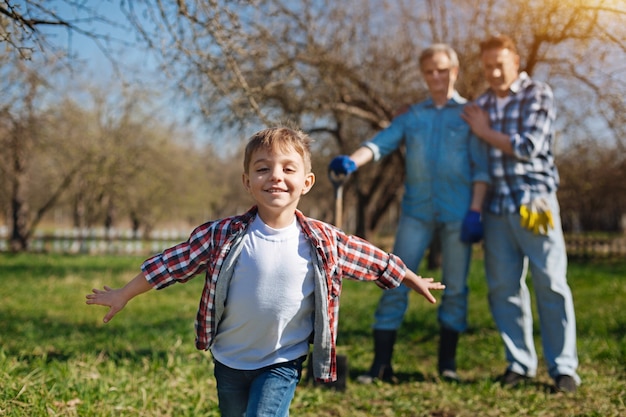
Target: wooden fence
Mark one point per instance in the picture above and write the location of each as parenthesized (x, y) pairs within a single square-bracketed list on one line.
[(97, 241), (123, 242), (590, 247)]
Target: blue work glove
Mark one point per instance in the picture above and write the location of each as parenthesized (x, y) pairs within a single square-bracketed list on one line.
[(342, 165), (472, 229)]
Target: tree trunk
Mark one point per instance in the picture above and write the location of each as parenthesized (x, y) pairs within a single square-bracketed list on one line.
[(19, 204), (19, 213)]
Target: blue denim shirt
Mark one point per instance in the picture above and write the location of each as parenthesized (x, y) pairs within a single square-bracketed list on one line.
[(443, 159)]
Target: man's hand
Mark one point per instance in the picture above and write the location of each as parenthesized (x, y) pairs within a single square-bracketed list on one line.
[(537, 216), (477, 119), (339, 169), (342, 165), (472, 228)]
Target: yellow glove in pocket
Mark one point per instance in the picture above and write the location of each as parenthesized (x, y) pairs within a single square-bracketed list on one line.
[(536, 216)]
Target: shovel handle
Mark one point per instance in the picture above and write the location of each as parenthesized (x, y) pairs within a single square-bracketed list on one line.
[(339, 206), (338, 180)]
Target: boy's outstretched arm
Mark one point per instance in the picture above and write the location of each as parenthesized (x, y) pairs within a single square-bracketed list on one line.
[(116, 299), (422, 285)]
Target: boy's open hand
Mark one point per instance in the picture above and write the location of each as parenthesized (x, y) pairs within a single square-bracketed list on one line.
[(422, 285), (118, 298), (108, 297)]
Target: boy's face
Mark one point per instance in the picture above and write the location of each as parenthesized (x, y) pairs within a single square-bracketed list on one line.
[(276, 180)]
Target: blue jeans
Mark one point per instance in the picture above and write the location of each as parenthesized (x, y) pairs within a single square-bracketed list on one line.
[(412, 240), (510, 250), (265, 392)]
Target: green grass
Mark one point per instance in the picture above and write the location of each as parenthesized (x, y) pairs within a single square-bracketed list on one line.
[(57, 358)]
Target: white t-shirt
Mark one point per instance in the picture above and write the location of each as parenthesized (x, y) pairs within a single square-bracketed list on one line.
[(501, 103), (268, 316)]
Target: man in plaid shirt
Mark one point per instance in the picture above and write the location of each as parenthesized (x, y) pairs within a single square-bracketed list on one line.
[(522, 226), (273, 280)]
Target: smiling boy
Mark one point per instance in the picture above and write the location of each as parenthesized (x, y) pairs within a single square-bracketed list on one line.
[(273, 280)]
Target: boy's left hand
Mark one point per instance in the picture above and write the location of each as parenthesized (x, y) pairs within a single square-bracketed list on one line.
[(422, 285)]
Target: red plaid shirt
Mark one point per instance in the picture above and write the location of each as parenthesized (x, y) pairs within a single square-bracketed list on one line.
[(338, 256)]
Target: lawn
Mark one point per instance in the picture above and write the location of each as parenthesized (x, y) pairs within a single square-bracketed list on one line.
[(57, 358)]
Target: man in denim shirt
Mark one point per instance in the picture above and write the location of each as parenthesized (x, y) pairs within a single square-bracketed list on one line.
[(446, 180)]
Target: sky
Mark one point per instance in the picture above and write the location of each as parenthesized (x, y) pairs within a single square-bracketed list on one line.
[(136, 65), (139, 66), (122, 39)]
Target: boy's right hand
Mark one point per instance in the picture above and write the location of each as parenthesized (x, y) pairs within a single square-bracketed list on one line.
[(112, 298)]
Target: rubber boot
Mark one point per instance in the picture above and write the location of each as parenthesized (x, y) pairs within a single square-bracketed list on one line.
[(448, 340), (384, 341)]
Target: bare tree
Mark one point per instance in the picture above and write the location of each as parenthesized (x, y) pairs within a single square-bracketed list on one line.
[(32, 28), (23, 139), (141, 166), (29, 32), (269, 61), (342, 69)]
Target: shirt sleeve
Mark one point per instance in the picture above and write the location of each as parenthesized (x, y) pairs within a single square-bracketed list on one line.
[(537, 113), (361, 260), (387, 140), (479, 159), (181, 262)]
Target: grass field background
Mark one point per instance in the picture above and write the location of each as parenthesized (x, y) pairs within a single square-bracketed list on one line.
[(57, 358)]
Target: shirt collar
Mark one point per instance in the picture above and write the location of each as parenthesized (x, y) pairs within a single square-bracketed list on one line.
[(455, 100), (517, 85)]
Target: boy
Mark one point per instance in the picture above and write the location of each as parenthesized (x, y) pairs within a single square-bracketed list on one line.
[(273, 279)]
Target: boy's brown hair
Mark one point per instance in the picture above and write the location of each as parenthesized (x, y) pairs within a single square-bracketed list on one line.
[(283, 139)]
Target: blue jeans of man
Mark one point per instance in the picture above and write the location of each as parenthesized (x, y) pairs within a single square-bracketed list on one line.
[(510, 250), (412, 240), (265, 392)]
